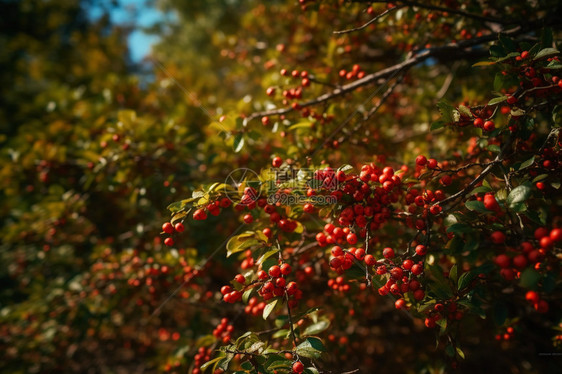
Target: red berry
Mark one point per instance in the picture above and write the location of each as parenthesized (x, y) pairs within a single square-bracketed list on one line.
[(532, 296), (285, 269), (226, 289), (351, 238), (524, 54), (179, 227), (388, 252), (265, 120), (240, 279), (248, 218), (169, 242), (419, 295), (370, 260), (497, 237), (298, 367), (556, 235), (277, 162), (421, 249), (502, 261), (274, 271), (421, 160), (400, 303), (489, 126), (168, 228)]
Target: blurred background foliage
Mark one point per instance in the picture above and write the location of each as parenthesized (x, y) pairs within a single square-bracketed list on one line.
[(94, 146)]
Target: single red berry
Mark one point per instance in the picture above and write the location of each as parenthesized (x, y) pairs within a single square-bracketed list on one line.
[(298, 367), (169, 242), (421, 160), (179, 227), (277, 162), (351, 238), (274, 271), (502, 261), (400, 304), (497, 237), (226, 289), (388, 252), (556, 235), (489, 126), (240, 279), (370, 260), (285, 269), (265, 120), (270, 91), (524, 54), (431, 163), (248, 218), (168, 228), (421, 249)]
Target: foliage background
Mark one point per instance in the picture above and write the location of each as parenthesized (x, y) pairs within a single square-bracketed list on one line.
[(93, 150)]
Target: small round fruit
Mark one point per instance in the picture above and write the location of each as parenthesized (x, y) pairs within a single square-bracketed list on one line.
[(169, 242), (277, 162), (179, 227), (298, 367), (168, 228)]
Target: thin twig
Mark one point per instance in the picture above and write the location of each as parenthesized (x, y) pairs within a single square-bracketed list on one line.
[(375, 19)]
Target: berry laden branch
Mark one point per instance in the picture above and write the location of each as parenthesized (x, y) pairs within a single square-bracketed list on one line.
[(452, 51)]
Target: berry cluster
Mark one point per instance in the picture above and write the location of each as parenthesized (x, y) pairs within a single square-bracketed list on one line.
[(223, 331)]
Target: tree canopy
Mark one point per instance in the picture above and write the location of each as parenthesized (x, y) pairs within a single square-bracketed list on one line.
[(295, 186)]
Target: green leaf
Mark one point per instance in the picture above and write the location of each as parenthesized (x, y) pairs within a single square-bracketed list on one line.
[(437, 125), (267, 255), (465, 279), (480, 189), (459, 228), (499, 81), (518, 195), (213, 362), (453, 273), (529, 278), (497, 100), (312, 347), (317, 328), (311, 370), (448, 112), (507, 42), (269, 308), (484, 63), (301, 125), (497, 51), (527, 163), (283, 333), (517, 112), (460, 353), (240, 242), (546, 52), (476, 206), (493, 148), (246, 295), (465, 111), (238, 142)]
